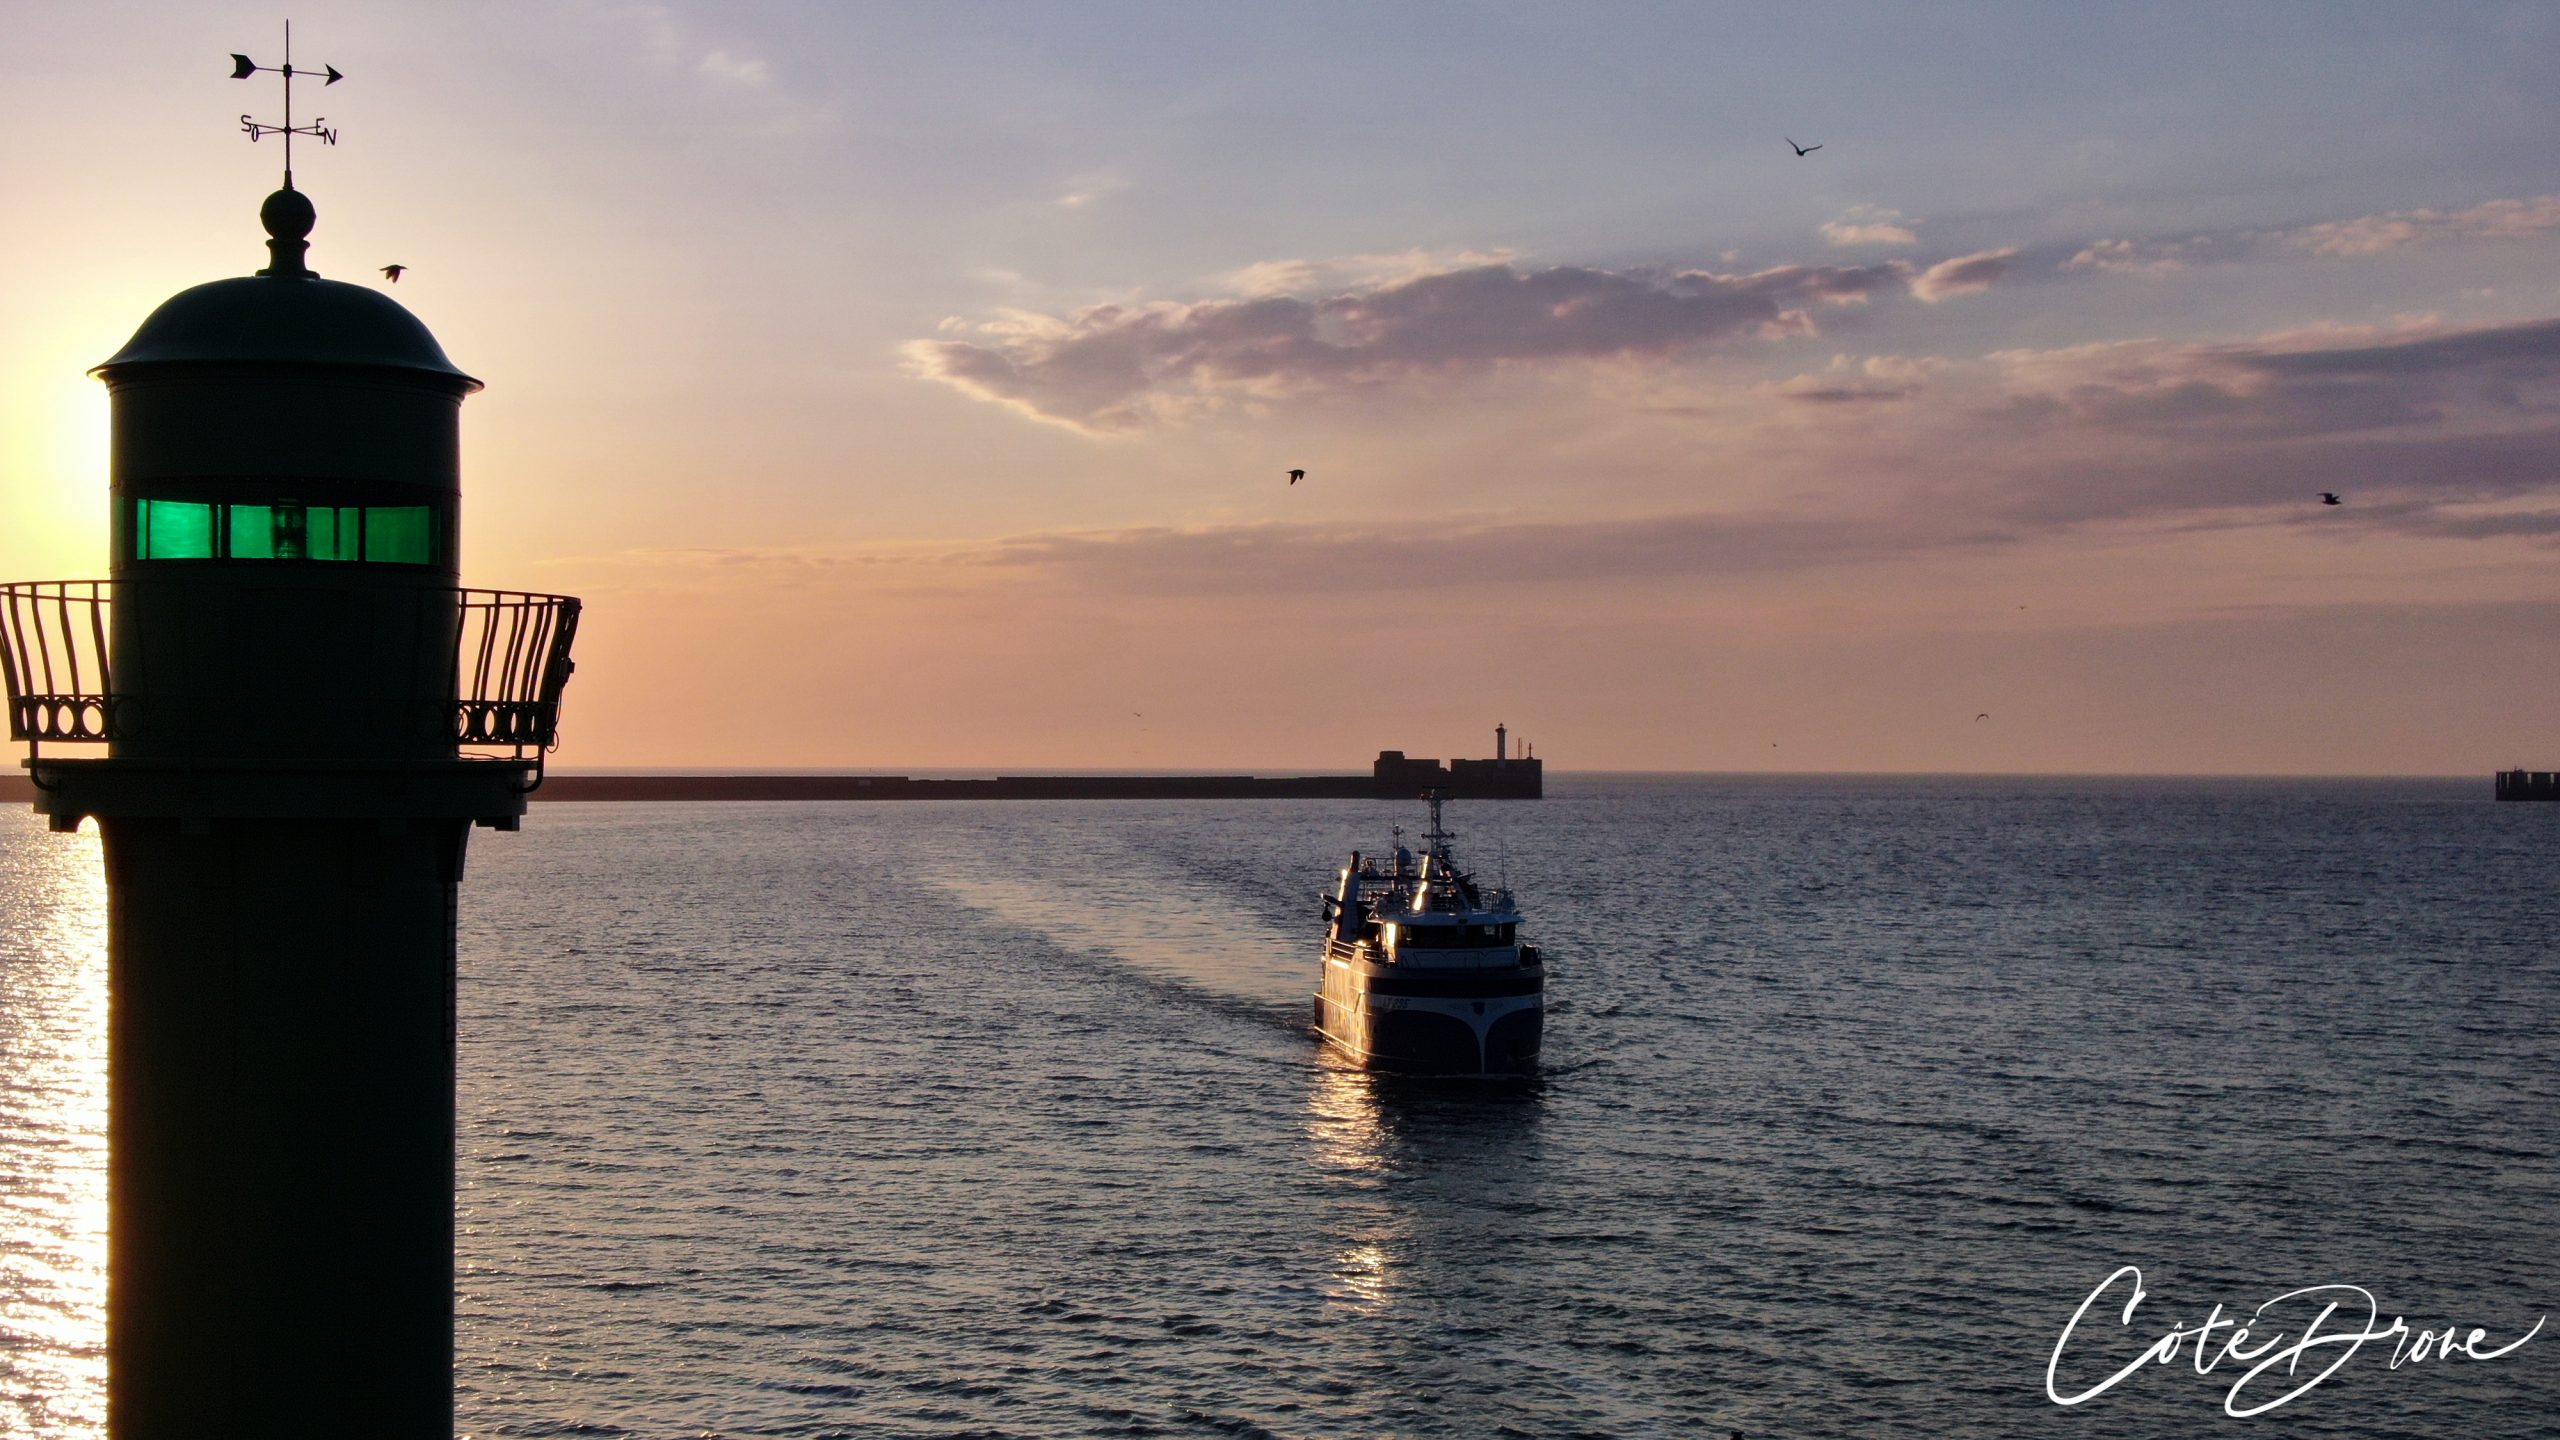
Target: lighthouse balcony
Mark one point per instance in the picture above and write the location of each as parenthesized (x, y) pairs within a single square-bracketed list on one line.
[(471, 674)]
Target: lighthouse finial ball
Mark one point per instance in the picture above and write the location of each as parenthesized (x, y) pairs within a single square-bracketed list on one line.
[(288, 217)]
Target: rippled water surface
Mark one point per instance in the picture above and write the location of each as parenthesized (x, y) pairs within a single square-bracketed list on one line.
[(1002, 1119)]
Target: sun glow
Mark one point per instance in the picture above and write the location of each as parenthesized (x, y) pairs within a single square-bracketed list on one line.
[(53, 464)]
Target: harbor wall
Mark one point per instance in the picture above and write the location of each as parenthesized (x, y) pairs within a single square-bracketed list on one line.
[(1517, 784), (1393, 777)]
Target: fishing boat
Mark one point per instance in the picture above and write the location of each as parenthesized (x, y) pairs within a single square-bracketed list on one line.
[(1424, 970)]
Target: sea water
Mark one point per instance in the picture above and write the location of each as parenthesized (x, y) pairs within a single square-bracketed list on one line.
[(995, 1119)]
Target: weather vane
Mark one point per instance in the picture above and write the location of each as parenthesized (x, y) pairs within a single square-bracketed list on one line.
[(242, 67)]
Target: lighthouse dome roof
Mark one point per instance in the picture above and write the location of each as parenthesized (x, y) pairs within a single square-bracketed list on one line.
[(287, 315)]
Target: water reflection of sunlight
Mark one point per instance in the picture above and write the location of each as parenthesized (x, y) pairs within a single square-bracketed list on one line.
[(1411, 1165), (1344, 1120), (53, 1137), (1348, 1132), (1360, 1275)]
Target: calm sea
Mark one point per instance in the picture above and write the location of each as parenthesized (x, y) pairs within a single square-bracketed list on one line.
[(1002, 1119)]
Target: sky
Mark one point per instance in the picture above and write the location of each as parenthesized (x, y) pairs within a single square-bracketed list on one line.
[(912, 386)]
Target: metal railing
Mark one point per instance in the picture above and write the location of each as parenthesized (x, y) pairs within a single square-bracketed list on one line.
[(53, 658), (511, 660)]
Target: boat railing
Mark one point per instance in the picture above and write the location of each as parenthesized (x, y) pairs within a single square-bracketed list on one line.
[(1490, 957), (1497, 957)]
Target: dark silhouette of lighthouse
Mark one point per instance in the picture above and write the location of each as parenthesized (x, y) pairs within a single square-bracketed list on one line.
[(303, 716)]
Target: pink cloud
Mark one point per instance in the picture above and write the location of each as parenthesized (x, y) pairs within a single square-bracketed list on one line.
[(1119, 368), (2355, 238), (1964, 275), (2125, 257), (2374, 234), (1301, 328), (1869, 225)]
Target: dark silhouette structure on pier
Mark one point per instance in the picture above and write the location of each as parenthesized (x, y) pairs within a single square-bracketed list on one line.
[(1503, 777), (302, 717), (2528, 785)]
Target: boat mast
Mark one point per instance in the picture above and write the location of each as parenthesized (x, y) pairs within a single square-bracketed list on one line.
[(1437, 841)]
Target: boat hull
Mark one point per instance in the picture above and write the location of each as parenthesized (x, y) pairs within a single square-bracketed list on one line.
[(1464, 1023)]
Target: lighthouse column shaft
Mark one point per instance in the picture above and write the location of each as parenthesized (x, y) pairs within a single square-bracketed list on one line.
[(281, 1121), (304, 712)]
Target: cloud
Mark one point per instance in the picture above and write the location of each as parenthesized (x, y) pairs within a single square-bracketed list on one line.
[(2419, 425), (1964, 275), (2124, 257), (1467, 553), (2418, 429), (1870, 225), (1846, 381), (1311, 277), (739, 69), (2437, 436), (1464, 553), (2350, 382), (2449, 523), (1845, 235), (1289, 329), (1084, 191), (1839, 394), (2513, 352), (2374, 234), (2356, 238), (1119, 368)]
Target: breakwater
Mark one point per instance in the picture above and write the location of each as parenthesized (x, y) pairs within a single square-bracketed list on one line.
[(1001, 787), (1525, 785), (1394, 776)]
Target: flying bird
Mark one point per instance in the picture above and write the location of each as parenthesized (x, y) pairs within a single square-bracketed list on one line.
[(1297, 475), (1985, 715), (392, 273), (1801, 150), (2330, 497)]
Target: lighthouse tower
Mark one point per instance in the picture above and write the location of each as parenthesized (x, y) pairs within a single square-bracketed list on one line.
[(302, 716)]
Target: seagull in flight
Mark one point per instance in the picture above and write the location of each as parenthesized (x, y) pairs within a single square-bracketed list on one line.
[(1985, 715), (2330, 497), (393, 273), (1801, 150), (1297, 475)]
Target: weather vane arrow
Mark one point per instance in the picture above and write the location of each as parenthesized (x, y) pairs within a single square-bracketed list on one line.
[(242, 67)]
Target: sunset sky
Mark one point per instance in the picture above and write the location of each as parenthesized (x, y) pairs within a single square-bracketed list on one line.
[(912, 386)]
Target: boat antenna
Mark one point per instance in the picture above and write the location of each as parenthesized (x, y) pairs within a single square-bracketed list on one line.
[(1438, 839)]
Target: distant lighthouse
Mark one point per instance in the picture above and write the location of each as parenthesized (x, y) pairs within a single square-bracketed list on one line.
[(1501, 744), (303, 716)]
